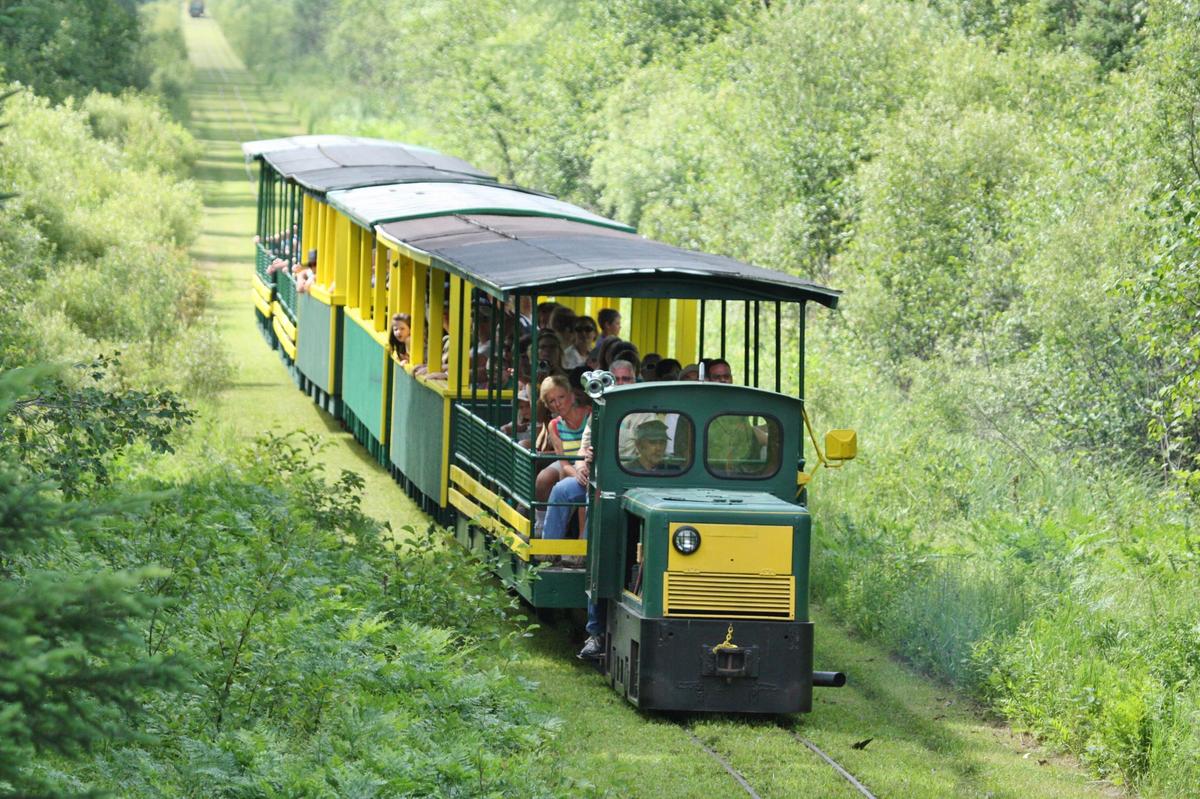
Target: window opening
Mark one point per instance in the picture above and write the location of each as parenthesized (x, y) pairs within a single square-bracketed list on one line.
[(658, 443), (743, 446)]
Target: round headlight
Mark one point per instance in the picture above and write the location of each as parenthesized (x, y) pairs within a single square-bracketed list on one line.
[(686, 540)]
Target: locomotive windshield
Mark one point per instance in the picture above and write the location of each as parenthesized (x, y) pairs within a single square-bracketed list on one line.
[(655, 443), (743, 447)]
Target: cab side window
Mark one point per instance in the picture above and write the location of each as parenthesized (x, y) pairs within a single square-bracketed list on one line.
[(743, 446)]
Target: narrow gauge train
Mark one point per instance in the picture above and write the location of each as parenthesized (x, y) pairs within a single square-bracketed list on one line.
[(701, 557)]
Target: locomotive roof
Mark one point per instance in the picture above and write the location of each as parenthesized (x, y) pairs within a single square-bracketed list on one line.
[(379, 204), (521, 255), (331, 163)]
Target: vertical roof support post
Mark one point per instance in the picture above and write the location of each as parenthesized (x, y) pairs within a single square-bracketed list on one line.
[(700, 354), (289, 213), (416, 334), (662, 326), (746, 343), (457, 313), (404, 293), (778, 348), (318, 241), (377, 258), (757, 344), (348, 250), (686, 331), (258, 220), (393, 281), (516, 367), (722, 329), (801, 319), (487, 364), (342, 252), (306, 219), (437, 311)]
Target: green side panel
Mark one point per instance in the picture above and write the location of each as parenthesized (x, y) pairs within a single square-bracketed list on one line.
[(548, 588), (285, 292), (416, 445), (492, 453), (363, 375), (261, 261), (313, 345)]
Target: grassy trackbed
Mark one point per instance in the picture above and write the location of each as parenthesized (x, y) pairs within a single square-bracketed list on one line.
[(926, 741)]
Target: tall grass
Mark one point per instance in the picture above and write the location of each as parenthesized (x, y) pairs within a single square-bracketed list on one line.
[(1059, 590)]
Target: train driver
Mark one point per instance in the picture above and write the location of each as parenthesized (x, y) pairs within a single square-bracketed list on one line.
[(650, 441)]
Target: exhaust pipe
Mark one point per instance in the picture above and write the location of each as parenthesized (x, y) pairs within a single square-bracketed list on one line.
[(828, 679)]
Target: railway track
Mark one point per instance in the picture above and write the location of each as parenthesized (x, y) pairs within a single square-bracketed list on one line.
[(785, 727)]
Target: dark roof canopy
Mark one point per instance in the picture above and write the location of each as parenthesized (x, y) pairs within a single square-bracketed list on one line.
[(328, 163), (519, 255)]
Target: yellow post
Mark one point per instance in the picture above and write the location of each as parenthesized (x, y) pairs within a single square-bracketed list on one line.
[(306, 228), (687, 331), (393, 280), (576, 304), (318, 242), (643, 326), (437, 300), (404, 288), (662, 327), (354, 269), (379, 304), (459, 295), (417, 335), (371, 271), (328, 270)]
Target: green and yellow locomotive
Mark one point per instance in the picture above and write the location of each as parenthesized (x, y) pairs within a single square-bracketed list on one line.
[(691, 528)]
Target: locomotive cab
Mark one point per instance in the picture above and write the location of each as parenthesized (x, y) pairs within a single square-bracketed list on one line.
[(701, 553)]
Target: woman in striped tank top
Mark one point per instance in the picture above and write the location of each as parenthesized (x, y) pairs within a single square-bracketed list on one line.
[(564, 434)]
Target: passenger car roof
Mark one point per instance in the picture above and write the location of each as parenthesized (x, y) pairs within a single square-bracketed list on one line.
[(331, 163), (526, 254), (380, 204)]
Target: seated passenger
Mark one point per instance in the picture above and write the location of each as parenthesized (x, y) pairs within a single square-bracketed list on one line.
[(717, 370), (522, 433), (650, 441), (649, 364), (585, 339), (564, 435), (550, 352), (690, 372), (668, 369)]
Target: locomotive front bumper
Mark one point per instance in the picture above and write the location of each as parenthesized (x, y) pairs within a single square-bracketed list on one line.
[(716, 665)]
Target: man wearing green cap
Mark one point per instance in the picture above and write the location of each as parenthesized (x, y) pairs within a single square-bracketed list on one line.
[(650, 443)]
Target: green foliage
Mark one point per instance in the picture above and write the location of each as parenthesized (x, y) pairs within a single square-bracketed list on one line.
[(63, 48), (70, 429), (73, 673), (242, 629), (1168, 289), (322, 667), (93, 249)]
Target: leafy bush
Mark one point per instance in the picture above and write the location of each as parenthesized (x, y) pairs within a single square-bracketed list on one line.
[(96, 239), (73, 671), (238, 628)]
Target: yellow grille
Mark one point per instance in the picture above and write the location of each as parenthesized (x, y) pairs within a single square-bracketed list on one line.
[(738, 596)]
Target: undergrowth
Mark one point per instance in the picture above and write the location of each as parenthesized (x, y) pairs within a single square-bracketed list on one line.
[(308, 655)]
